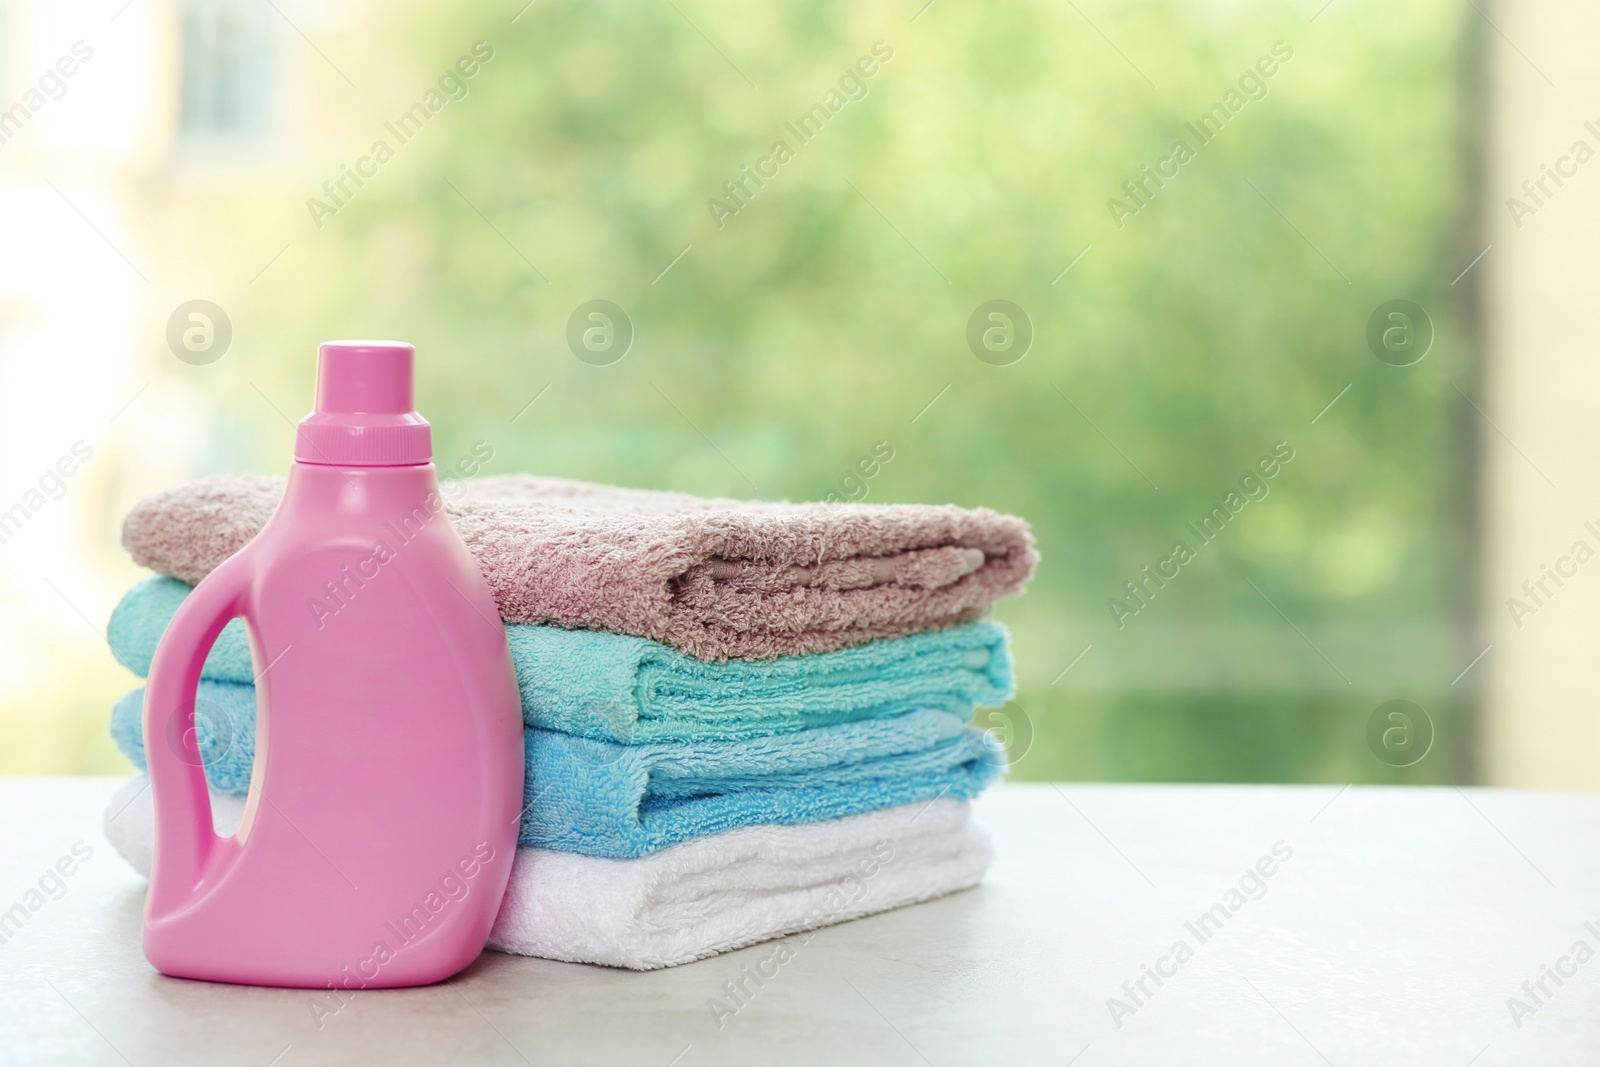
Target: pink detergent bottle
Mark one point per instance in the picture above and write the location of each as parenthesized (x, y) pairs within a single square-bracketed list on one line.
[(385, 798)]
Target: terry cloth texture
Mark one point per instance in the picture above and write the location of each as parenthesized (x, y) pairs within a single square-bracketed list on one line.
[(605, 799), (693, 900), (602, 798), (224, 728), (142, 616), (718, 893), (630, 689), (713, 578)]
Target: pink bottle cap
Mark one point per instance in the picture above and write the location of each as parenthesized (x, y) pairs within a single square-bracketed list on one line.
[(365, 414)]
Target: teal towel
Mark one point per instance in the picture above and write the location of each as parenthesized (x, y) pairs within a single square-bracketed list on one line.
[(629, 689), (141, 617), (601, 798)]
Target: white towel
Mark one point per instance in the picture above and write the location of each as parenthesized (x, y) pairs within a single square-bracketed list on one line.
[(130, 820), (712, 894), (696, 899)]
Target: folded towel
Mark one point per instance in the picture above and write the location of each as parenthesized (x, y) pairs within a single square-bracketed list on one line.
[(713, 578), (692, 900), (224, 729), (602, 798), (631, 689), (719, 893), (130, 820)]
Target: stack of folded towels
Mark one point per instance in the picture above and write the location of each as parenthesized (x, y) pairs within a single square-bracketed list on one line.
[(744, 719)]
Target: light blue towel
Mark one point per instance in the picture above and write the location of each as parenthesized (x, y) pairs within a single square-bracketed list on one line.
[(224, 728), (629, 689), (602, 798)]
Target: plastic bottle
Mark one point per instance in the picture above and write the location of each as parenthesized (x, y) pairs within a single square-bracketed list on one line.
[(386, 794)]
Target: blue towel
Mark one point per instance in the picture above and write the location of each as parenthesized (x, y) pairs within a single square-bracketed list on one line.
[(629, 689), (224, 727), (602, 798)]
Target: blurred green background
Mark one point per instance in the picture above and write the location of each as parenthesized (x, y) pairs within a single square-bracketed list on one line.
[(827, 313)]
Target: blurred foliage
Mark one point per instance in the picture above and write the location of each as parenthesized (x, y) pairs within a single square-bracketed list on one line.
[(828, 312)]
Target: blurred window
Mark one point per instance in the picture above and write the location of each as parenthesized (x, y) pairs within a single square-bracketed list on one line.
[(227, 69)]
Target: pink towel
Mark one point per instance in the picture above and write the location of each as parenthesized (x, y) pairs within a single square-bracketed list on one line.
[(715, 578)]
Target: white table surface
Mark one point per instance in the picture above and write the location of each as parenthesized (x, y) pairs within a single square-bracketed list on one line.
[(1396, 933)]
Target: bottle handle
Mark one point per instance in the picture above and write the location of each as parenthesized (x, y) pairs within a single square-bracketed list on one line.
[(186, 844)]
